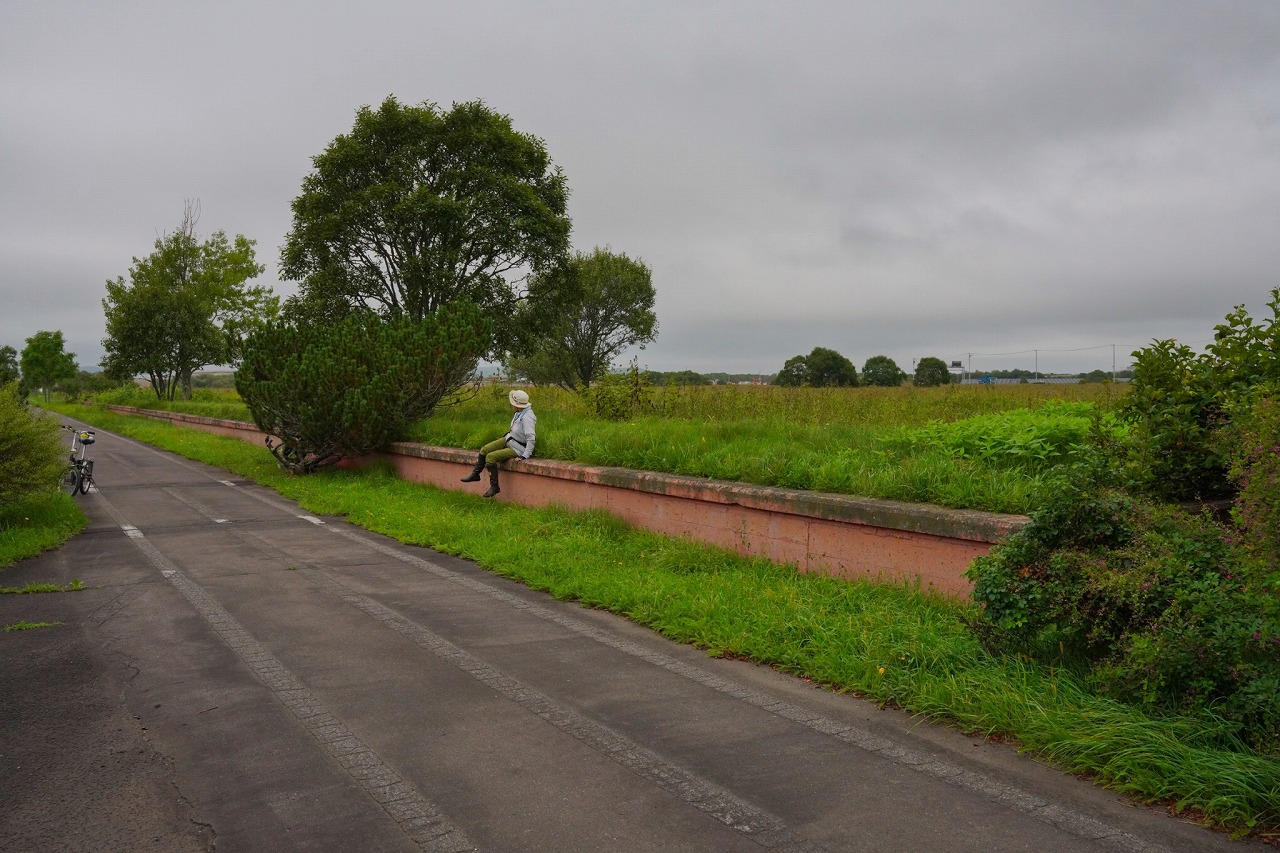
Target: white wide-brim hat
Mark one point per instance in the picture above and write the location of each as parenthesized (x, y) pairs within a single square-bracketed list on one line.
[(519, 399)]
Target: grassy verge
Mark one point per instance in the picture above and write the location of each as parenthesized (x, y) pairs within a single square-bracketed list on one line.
[(37, 524), (891, 644)]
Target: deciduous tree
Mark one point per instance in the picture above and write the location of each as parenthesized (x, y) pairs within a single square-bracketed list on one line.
[(794, 372), (882, 371), (8, 365), (821, 368), (45, 361), (417, 208), (580, 315), (187, 305), (931, 372)]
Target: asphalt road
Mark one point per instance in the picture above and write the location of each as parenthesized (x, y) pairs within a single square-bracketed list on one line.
[(240, 676)]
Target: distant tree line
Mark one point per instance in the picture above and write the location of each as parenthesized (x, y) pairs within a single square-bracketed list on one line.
[(826, 368)]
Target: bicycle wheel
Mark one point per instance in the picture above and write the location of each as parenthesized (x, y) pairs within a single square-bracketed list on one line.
[(86, 480), (71, 481)]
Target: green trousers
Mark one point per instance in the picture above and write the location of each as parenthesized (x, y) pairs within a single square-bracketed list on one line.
[(497, 451)]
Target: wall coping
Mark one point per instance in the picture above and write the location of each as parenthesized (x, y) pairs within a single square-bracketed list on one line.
[(970, 525)]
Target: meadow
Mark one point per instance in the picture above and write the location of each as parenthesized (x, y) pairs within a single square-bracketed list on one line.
[(969, 447)]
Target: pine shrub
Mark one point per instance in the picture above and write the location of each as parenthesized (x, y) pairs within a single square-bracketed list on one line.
[(329, 391)]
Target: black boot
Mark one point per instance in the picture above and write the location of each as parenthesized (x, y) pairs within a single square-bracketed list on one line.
[(493, 481), (474, 476)]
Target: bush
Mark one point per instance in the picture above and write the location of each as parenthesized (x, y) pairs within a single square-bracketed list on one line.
[(1157, 606), (1154, 605), (1173, 412), (329, 391), (1253, 442), (1180, 400), (31, 453)]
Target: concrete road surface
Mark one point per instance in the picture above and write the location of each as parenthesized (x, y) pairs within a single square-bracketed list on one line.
[(241, 676)]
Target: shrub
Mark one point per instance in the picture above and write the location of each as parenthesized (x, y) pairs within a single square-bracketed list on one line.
[(620, 396), (1253, 442), (1173, 412), (1180, 400), (328, 391), (1153, 604), (31, 452)]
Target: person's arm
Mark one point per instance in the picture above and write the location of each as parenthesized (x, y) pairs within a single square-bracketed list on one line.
[(529, 421)]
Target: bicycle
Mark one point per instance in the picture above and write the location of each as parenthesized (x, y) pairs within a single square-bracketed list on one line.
[(79, 474)]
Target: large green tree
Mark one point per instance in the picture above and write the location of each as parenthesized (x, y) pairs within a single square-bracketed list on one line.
[(417, 208), (882, 371), (45, 361), (829, 369), (821, 368), (931, 372), (794, 372), (187, 305), (580, 315)]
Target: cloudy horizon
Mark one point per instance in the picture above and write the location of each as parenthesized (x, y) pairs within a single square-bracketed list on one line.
[(994, 182)]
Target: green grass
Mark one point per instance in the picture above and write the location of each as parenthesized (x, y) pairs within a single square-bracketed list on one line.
[(24, 625), (891, 644), (893, 443), (37, 524), (208, 402), (32, 588)]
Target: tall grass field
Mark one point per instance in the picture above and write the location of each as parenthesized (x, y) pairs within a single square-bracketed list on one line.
[(968, 447)]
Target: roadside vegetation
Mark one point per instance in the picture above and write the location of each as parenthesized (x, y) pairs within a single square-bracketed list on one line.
[(34, 515), (894, 645), (1152, 569), (37, 524)]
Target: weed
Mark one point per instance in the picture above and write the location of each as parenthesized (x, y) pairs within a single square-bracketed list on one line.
[(31, 588), (24, 625)]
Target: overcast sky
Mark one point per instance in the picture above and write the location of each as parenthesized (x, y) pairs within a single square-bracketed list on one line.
[(901, 178)]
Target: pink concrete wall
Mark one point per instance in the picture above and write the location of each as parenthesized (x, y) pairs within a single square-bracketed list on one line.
[(842, 536)]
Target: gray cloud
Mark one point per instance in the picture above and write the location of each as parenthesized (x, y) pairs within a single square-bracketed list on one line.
[(914, 179)]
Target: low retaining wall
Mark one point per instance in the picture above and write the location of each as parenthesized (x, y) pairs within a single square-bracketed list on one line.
[(840, 535)]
